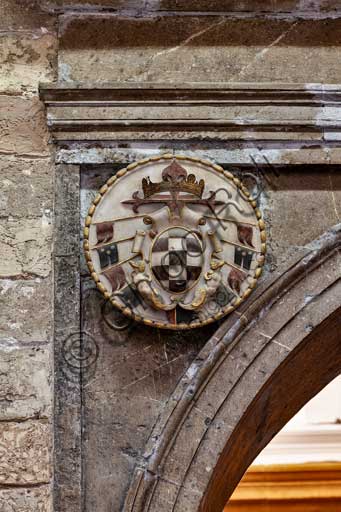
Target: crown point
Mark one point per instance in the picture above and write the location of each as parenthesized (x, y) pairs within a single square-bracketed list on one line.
[(174, 172)]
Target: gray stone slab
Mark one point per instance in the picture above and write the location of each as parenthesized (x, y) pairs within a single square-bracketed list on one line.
[(68, 380)]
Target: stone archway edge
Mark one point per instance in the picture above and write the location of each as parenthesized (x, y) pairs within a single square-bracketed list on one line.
[(184, 397)]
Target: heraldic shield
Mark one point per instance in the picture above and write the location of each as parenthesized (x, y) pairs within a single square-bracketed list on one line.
[(177, 259), (174, 242)]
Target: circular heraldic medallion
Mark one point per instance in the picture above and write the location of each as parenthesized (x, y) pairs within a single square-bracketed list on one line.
[(174, 242)]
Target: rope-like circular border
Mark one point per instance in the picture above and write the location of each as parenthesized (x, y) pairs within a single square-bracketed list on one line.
[(127, 311)]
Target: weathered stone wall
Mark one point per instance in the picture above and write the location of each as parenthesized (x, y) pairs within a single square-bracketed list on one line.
[(28, 46), (126, 41)]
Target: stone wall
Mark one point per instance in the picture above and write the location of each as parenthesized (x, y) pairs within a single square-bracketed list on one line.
[(125, 41), (28, 50)]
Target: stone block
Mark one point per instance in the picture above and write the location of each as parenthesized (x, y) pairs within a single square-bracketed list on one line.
[(31, 179), (26, 500), (23, 129), (25, 382), (25, 452), (26, 307), (26, 61), (19, 15), (199, 49), (25, 246)]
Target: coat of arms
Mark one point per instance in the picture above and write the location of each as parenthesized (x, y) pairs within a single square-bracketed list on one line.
[(174, 242)]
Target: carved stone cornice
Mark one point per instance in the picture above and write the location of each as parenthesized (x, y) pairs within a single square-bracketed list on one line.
[(260, 112)]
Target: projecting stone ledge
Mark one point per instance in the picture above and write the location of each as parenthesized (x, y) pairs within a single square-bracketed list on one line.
[(286, 119)]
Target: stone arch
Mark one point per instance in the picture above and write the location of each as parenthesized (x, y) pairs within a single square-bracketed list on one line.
[(261, 366)]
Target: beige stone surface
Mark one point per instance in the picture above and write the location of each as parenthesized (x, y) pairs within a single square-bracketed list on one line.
[(26, 307), (26, 500), (25, 61), (25, 452), (25, 382), (27, 55), (25, 246), (28, 178), (23, 129)]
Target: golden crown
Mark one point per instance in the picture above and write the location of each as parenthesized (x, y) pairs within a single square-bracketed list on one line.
[(174, 178)]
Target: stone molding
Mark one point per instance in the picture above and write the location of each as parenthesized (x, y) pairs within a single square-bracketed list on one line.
[(191, 458), (283, 9), (289, 487), (281, 113)]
